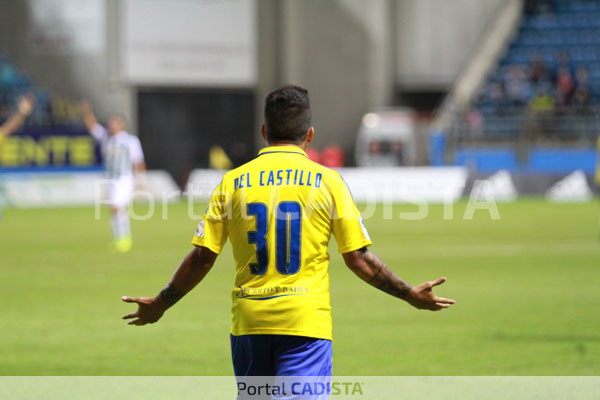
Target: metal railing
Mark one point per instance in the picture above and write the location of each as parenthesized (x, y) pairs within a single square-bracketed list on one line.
[(562, 127)]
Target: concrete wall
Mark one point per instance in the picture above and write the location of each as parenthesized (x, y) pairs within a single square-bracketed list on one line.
[(435, 38), (340, 50), (353, 54)]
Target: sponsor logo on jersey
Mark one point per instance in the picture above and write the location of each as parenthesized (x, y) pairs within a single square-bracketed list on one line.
[(200, 230)]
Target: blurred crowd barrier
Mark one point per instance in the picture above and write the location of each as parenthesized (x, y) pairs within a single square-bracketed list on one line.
[(539, 110)]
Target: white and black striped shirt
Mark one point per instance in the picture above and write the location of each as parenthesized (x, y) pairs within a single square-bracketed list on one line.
[(120, 151)]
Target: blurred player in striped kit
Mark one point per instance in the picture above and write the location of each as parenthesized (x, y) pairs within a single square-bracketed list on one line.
[(124, 167)]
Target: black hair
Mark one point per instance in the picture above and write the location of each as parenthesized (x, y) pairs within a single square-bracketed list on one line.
[(287, 114)]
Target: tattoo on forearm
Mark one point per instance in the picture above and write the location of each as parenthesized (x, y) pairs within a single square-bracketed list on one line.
[(384, 279), (171, 295)]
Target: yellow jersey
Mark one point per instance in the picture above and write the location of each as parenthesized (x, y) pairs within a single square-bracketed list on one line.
[(279, 211), (1, 137)]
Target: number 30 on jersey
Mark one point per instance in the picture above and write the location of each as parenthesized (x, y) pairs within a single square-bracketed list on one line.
[(288, 237)]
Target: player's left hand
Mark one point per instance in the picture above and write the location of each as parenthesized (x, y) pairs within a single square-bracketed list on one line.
[(149, 310), (423, 298)]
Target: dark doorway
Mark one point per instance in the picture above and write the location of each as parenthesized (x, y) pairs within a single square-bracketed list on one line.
[(178, 127)]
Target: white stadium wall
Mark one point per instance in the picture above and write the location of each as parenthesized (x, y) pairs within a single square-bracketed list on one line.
[(434, 38)]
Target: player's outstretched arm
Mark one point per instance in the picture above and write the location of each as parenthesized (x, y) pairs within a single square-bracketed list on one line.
[(372, 270), (25, 107), (190, 272), (87, 112)]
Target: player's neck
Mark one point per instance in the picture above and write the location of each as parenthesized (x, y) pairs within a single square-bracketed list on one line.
[(299, 145)]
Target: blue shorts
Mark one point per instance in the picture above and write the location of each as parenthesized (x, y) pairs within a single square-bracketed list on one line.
[(280, 355)]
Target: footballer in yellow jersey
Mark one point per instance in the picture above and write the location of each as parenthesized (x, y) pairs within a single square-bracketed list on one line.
[(279, 212)]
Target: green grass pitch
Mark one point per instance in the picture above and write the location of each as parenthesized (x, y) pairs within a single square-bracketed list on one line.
[(527, 289)]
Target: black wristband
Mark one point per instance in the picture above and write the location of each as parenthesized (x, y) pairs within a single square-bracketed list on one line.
[(171, 295)]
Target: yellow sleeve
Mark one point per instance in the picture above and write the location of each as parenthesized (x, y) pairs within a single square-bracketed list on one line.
[(1, 137), (212, 230), (347, 225)]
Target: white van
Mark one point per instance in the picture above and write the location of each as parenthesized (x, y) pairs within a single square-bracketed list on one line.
[(386, 138)]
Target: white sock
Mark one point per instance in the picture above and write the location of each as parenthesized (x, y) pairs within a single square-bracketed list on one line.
[(119, 222), (114, 225)]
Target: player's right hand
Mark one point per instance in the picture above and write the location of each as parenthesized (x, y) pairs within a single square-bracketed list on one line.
[(422, 297), (25, 104), (149, 310)]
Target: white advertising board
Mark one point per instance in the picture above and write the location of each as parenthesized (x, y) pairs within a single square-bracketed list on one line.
[(188, 42), (397, 185), (52, 189)]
